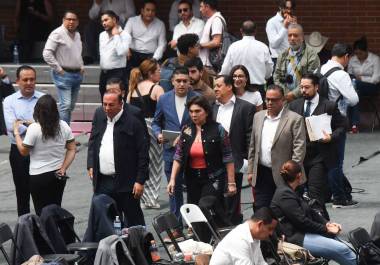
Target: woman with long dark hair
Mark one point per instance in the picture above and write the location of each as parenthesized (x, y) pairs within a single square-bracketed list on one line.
[(51, 146)]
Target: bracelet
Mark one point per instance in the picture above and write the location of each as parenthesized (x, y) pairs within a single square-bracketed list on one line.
[(231, 184), (16, 134)]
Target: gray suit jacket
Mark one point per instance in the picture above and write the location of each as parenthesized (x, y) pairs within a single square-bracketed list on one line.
[(289, 143)]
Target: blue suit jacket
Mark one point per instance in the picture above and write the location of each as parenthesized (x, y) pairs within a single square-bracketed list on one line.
[(166, 118)]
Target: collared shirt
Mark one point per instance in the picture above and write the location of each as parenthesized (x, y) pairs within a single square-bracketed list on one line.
[(369, 70), (340, 84), (18, 107), (267, 137), (147, 39), (225, 111), (252, 54), (173, 14), (277, 35), (62, 50), (196, 26), (123, 8), (314, 103), (293, 67), (213, 26), (238, 248), (113, 49), (106, 152), (180, 105)]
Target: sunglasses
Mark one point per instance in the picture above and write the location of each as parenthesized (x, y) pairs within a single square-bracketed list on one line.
[(183, 10)]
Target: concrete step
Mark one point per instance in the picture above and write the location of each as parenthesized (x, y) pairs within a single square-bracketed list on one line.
[(91, 74)]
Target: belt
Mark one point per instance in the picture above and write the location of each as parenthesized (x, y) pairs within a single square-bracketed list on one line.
[(71, 70), (105, 71), (108, 176)]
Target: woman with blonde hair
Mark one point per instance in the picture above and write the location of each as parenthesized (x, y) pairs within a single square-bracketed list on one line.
[(144, 92)]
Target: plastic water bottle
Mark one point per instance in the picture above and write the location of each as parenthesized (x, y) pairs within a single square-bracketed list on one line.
[(117, 226), (16, 57)]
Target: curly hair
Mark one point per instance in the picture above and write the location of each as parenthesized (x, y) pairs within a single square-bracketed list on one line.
[(47, 115)]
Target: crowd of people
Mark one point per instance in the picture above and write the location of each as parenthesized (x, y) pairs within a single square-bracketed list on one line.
[(204, 127)]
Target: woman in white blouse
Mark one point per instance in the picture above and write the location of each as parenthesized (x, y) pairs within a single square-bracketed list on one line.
[(242, 90), (50, 144)]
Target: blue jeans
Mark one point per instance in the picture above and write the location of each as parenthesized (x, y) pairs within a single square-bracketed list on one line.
[(175, 201), (329, 248), (68, 86)]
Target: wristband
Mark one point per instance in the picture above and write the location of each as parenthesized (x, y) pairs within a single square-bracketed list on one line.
[(231, 184)]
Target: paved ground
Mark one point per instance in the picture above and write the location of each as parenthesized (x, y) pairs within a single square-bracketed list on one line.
[(78, 191)]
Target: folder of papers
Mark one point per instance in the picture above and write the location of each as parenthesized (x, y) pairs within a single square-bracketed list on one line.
[(318, 124)]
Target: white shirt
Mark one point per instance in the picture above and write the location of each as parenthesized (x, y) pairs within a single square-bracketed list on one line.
[(180, 103), (252, 97), (369, 70), (225, 111), (267, 137), (214, 25), (123, 8), (147, 39), (314, 103), (46, 155), (254, 55), (238, 248), (106, 152), (277, 35), (113, 49), (173, 14), (196, 26), (340, 84)]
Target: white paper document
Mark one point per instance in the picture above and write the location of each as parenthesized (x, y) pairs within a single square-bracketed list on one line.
[(170, 136), (316, 125)]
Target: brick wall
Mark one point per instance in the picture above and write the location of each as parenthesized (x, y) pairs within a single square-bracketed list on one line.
[(340, 20)]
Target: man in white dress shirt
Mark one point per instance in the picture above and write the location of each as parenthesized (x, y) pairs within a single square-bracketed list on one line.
[(241, 246), (174, 17), (124, 9), (251, 53), (148, 35), (188, 23), (113, 46), (277, 27)]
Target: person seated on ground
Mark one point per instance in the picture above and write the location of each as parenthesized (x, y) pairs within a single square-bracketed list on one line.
[(204, 152), (364, 67), (242, 244), (240, 75), (302, 226)]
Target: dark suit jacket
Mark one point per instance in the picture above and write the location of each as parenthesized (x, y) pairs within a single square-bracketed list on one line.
[(317, 151), (240, 129), (166, 118), (5, 91), (131, 149)]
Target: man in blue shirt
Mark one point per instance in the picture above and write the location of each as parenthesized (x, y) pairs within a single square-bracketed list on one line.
[(20, 106)]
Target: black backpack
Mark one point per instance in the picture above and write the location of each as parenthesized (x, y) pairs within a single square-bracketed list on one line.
[(368, 253), (324, 87)]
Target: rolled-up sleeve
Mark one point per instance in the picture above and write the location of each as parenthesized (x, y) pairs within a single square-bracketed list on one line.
[(161, 43), (49, 51)]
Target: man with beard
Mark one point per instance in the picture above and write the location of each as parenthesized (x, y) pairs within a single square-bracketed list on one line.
[(113, 46), (297, 60)]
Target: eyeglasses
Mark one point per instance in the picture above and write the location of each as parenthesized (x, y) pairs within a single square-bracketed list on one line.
[(183, 10), (238, 76)]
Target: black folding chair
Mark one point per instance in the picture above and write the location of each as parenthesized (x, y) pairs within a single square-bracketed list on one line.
[(7, 235)]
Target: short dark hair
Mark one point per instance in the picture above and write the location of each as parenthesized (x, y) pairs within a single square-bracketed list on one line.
[(289, 170), (116, 81), (278, 88), (312, 77), (145, 2), (180, 70), (248, 27), (361, 44), (264, 214), (186, 41), (227, 79), (110, 13), (186, 2), (341, 49), (212, 3), (24, 67), (282, 3), (194, 62), (69, 11), (246, 72), (202, 102)]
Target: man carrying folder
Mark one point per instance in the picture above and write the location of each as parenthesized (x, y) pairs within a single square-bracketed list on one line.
[(322, 154)]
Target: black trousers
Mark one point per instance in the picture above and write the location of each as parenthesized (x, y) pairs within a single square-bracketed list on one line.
[(233, 203), (136, 59), (20, 172), (126, 203), (46, 189), (105, 75), (264, 188)]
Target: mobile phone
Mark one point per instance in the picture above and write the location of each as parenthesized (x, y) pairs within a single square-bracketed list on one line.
[(61, 177)]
